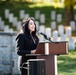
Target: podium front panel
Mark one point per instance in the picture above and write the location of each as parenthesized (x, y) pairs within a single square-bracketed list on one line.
[(58, 48), (54, 48)]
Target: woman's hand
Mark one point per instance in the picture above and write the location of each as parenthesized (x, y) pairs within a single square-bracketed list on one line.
[(33, 51)]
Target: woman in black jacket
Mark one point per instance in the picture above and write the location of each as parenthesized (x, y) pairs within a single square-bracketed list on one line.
[(26, 43)]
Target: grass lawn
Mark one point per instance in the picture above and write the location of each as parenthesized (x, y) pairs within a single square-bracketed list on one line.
[(67, 63)]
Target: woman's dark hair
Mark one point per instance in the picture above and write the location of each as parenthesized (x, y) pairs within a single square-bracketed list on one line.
[(25, 28)]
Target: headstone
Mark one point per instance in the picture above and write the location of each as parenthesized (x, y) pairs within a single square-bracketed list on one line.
[(60, 29), (15, 21), (55, 35), (53, 25), (22, 14), (0, 19), (73, 25), (6, 13), (2, 25), (59, 18), (37, 14), (48, 33), (63, 37), (53, 15), (41, 29), (68, 32), (37, 25), (26, 16), (42, 18), (11, 17), (71, 44), (18, 25), (6, 28)]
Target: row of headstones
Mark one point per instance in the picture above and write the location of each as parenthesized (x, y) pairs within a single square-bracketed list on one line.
[(7, 29), (4, 27), (53, 25), (38, 16), (58, 35)]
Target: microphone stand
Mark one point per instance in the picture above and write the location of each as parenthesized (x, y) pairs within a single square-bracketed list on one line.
[(48, 38)]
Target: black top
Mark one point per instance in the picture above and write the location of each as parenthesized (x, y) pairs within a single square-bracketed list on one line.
[(24, 46)]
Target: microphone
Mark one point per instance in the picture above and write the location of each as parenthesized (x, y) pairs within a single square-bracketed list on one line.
[(45, 36)]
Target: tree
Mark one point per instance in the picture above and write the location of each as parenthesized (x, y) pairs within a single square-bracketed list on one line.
[(69, 10)]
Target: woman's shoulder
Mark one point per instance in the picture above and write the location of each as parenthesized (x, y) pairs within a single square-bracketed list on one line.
[(20, 35)]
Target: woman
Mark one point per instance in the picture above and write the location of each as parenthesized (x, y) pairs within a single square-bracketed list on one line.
[(27, 42)]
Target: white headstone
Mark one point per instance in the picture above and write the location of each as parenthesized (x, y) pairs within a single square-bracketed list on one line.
[(18, 25), (61, 29), (53, 25), (55, 35), (53, 15), (15, 21), (41, 29), (71, 43), (0, 22), (2, 25), (59, 18), (37, 14), (6, 13), (6, 28), (37, 25), (0, 19), (63, 37), (48, 33), (42, 18), (73, 25), (26, 16), (22, 14), (11, 17), (68, 32)]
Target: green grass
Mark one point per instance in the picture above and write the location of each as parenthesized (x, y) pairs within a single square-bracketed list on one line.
[(67, 63)]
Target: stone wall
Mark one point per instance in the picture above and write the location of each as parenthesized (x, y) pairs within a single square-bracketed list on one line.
[(8, 56)]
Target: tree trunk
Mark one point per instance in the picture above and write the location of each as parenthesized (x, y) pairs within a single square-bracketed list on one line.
[(69, 15)]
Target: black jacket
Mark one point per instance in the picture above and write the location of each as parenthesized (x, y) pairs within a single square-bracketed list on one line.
[(24, 45)]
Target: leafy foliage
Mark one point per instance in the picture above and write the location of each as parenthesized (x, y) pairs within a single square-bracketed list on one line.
[(69, 3)]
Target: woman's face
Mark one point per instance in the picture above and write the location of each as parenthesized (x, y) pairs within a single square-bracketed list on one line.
[(31, 26)]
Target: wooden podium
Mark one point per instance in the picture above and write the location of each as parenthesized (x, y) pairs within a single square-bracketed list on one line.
[(49, 52)]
